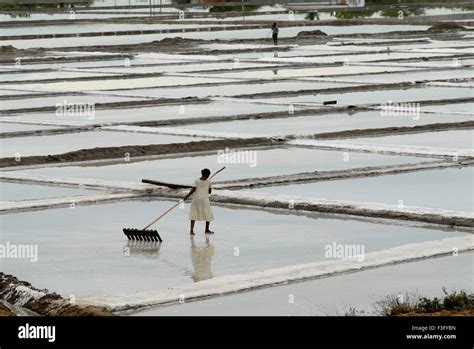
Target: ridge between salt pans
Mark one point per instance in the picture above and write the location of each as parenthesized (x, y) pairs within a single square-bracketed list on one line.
[(385, 149), (180, 132), (135, 190)]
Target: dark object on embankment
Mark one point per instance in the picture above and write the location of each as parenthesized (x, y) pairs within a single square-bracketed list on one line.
[(7, 49), (165, 184), (446, 27), (310, 34)]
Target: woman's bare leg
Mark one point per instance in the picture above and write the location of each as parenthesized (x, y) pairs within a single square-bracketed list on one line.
[(208, 231)]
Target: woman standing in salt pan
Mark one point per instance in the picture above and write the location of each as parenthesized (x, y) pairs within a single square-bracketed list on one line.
[(201, 206)]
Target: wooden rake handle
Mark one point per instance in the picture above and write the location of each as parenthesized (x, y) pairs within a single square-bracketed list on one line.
[(222, 169), (176, 205)]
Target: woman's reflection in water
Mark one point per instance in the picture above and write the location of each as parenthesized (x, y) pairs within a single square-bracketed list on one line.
[(201, 256)]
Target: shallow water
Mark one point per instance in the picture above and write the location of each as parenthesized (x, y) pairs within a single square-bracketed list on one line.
[(6, 92), (467, 108), (318, 55), (85, 85), (11, 127), (223, 35), (62, 143), (104, 27), (309, 125), (335, 296), (230, 89), (15, 191), (450, 189), (271, 162), (381, 97), (74, 65), (207, 66), (165, 112), (92, 237), (51, 75), (309, 72), (458, 139), (405, 77), (63, 100)]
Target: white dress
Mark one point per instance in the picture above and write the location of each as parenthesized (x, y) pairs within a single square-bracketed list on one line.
[(201, 207)]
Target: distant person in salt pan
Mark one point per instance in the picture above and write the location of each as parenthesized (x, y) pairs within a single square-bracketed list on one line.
[(275, 33), (201, 206)]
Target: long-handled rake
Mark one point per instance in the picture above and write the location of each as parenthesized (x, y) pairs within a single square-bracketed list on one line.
[(152, 235)]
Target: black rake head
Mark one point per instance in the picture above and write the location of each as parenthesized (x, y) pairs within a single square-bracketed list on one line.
[(142, 235)]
